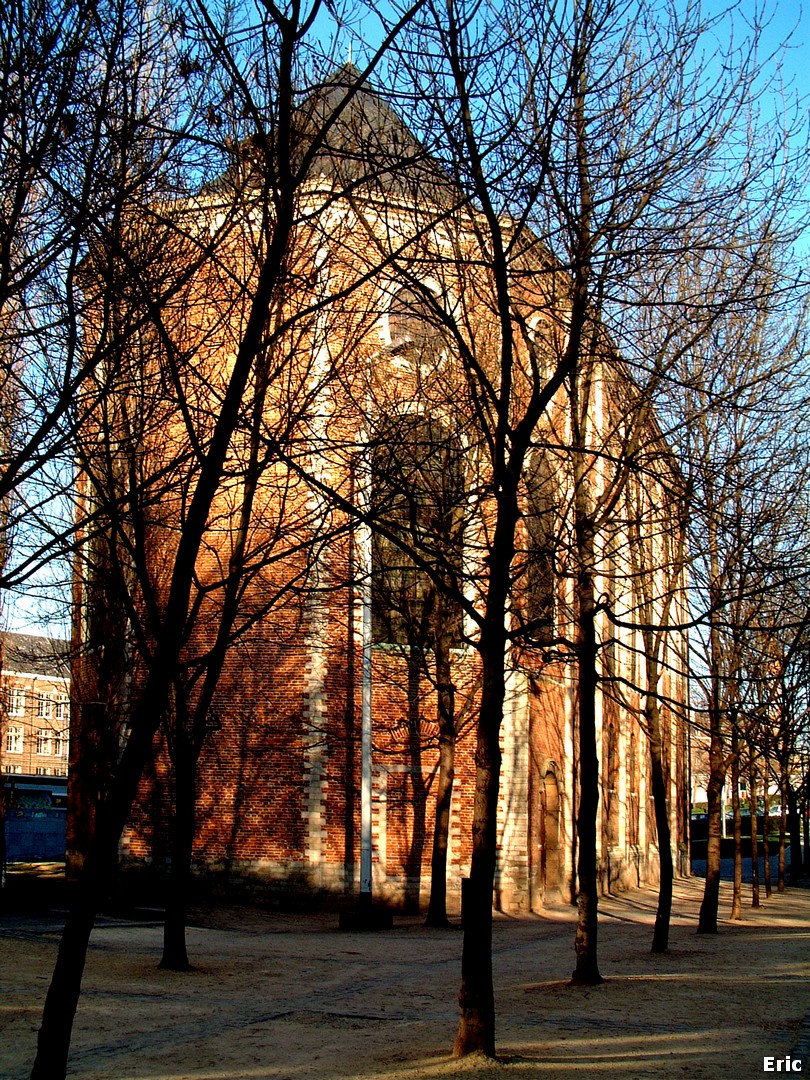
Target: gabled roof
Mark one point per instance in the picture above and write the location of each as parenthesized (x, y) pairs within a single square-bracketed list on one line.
[(36, 655)]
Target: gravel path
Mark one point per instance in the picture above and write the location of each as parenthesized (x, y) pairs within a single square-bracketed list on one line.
[(282, 996)]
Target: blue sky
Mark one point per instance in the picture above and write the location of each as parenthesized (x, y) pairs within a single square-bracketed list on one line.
[(787, 21), (790, 23), (786, 24)]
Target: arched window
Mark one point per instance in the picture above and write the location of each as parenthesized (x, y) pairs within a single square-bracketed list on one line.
[(417, 496), (612, 783), (541, 518), (632, 784), (412, 325)]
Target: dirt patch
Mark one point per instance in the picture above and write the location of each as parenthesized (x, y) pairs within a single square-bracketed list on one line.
[(279, 996)]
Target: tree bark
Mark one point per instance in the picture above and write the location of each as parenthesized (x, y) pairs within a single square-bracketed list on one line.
[(660, 941), (3, 850), (766, 825), (586, 972), (736, 896), (795, 836), (780, 878), (96, 880), (476, 1030), (437, 906), (53, 1040), (707, 920), (753, 803), (419, 791), (175, 954)]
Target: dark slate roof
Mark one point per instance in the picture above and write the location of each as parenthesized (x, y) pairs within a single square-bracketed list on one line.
[(370, 142), (368, 146), (36, 655)]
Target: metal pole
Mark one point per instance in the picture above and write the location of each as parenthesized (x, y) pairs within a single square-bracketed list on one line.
[(365, 741)]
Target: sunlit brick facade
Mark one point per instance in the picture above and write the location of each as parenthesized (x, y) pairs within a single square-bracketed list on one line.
[(278, 788), (35, 706)]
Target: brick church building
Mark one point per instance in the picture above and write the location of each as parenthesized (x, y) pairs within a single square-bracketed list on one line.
[(337, 624)]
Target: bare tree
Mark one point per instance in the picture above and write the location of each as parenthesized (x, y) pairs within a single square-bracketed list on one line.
[(253, 557), (84, 144), (272, 70), (418, 488), (78, 152), (657, 577), (615, 179), (732, 453)]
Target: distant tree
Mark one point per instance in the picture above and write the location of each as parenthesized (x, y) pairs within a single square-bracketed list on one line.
[(735, 460), (658, 556), (418, 488), (590, 190)]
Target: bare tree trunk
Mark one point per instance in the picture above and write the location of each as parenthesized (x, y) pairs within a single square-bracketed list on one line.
[(175, 955), (586, 972), (476, 1030), (795, 836), (53, 1041), (707, 920), (780, 878), (349, 717), (95, 883), (736, 896), (413, 867), (3, 849), (437, 907), (766, 825), (653, 643), (660, 941), (753, 803)]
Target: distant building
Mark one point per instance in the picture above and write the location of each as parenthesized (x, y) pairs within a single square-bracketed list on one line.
[(36, 706), (34, 743)]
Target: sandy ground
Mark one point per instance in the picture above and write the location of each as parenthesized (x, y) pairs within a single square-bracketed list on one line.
[(281, 997)]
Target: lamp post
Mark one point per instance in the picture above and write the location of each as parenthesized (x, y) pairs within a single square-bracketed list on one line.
[(366, 916), (365, 751)]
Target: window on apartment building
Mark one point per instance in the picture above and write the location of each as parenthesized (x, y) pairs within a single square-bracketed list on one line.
[(45, 741), (14, 739), (62, 708), (60, 743), (44, 706), (418, 497), (13, 769), (15, 701), (541, 518)]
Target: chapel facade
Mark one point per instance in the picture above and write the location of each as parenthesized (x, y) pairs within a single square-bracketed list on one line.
[(340, 624)]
